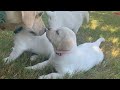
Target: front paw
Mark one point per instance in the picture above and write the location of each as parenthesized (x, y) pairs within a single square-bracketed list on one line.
[(30, 67), (7, 60), (44, 77), (49, 76)]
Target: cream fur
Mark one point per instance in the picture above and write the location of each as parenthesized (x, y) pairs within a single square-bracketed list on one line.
[(70, 19), (25, 41), (74, 58), (27, 19)]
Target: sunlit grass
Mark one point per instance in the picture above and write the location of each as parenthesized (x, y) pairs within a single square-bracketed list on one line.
[(94, 24), (115, 52)]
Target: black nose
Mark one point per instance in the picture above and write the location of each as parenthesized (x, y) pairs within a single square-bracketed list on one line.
[(46, 29), (49, 28)]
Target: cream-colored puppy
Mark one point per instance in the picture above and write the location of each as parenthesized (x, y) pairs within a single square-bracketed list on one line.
[(26, 41), (70, 19), (30, 20), (67, 56)]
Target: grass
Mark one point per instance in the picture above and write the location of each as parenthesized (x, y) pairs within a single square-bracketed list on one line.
[(102, 24)]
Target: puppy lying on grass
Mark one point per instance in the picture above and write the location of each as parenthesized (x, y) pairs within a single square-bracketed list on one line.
[(70, 19), (26, 41), (67, 56), (27, 36)]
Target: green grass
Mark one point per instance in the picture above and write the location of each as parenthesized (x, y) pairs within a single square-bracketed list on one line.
[(102, 24)]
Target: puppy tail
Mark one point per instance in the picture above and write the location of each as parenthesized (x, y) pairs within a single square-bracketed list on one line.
[(86, 16), (99, 41)]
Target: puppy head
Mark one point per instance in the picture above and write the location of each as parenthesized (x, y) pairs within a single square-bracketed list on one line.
[(62, 39), (30, 20), (33, 21)]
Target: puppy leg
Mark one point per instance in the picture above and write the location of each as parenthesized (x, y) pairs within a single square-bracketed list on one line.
[(39, 65), (14, 54), (52, 76)]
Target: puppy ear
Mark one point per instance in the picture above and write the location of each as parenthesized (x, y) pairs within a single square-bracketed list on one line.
[(39, 26), (33, 20), (28, 18), (66, 45), (50, 13)]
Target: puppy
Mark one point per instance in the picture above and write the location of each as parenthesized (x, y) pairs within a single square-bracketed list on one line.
[(70, 19), (30, 20), (26, 41), (67, 56)]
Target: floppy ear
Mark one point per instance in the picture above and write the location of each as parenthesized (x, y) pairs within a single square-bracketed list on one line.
[(13, 16), (28, 18), (50, 13), (66, 45), (39, 26)]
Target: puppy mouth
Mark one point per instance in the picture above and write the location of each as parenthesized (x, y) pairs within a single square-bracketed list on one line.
[(33, 33), (40, 32)]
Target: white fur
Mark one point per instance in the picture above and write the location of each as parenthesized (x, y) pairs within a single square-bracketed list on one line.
[(80, 58), (70, 19), (25, 41)]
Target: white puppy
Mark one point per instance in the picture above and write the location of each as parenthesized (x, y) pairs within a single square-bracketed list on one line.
[(70, 19), (26, 41), (68, 57)]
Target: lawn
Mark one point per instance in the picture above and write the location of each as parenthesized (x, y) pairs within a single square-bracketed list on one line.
[(102, 24)]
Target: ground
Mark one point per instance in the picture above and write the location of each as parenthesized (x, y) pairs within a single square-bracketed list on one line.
[(102, 24)]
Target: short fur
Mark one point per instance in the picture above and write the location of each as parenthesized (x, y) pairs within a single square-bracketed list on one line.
[(70, 58)]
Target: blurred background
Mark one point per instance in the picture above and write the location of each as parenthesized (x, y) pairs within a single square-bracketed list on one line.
[(2, 17)]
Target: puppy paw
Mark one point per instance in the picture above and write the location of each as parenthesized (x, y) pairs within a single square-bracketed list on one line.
[(35, 67), (30, 67), (41, 77), (44, 77), (7, 60)]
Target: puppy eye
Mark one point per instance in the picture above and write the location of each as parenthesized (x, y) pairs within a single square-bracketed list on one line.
[(57, 32)]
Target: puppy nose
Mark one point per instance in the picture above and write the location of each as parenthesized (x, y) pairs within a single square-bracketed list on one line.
[(49, 28), (46, 29)]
